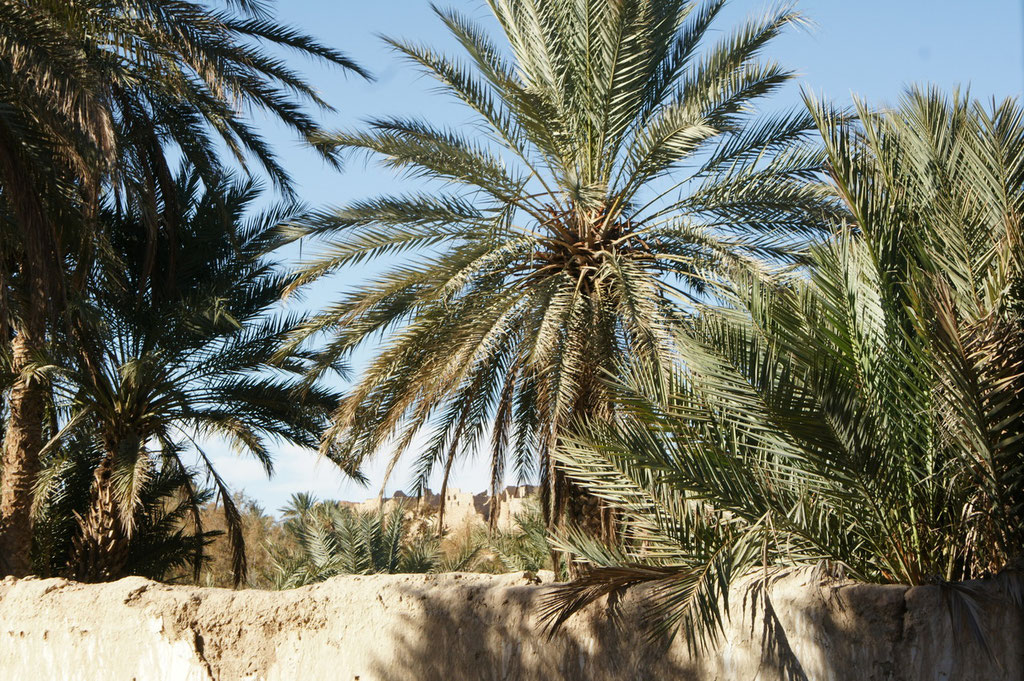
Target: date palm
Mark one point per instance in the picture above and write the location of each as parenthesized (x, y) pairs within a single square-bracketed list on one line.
[(179, 355), (329, 539), (94, 96), (325, 539), (871, 414), (614, 163), (166, 541)]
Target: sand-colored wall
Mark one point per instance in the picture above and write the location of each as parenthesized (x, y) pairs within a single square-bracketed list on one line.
[(480, 628)]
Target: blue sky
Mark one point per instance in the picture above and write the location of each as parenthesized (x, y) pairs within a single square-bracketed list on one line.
[(871, 48)]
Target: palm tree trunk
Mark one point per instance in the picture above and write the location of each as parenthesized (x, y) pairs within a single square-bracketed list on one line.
[(566, 503), (100, 551), (574, 506), (23, 441)]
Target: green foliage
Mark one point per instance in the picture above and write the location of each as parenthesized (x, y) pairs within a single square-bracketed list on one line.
[(165, 542), (260, 532), (332, 539), (169, 349), (616, 168), (523, 547), (94, 79), (94, 95), (96, 100), (323, 539), (867, 413)]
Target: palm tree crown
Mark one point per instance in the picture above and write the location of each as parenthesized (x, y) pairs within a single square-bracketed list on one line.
[(185, 354), (615, 162), (96, 92)]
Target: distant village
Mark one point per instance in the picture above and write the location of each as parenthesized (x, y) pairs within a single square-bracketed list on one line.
[(461, 508)]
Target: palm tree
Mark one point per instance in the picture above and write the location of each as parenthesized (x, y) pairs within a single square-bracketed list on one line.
[(166, 541), (96, 94), (331, 539), (326, 539), (870, 415), (181, 347), (614, 164)]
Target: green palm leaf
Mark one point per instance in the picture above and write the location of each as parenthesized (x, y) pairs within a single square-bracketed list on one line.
[(615, 164)]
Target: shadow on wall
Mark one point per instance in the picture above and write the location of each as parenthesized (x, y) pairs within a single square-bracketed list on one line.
[(795, 627), (493, 635)]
